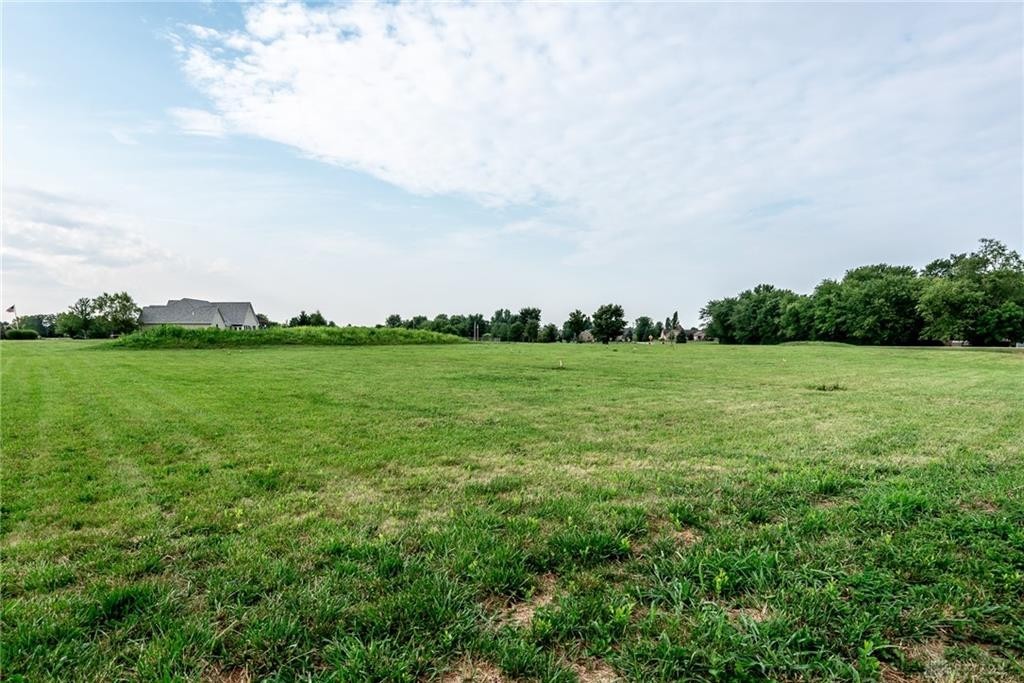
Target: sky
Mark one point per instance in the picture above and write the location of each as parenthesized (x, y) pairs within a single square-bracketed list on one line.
[(366, 159)]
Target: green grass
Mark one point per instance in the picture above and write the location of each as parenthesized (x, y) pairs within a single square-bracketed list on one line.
[(691, 512), (172, 337)]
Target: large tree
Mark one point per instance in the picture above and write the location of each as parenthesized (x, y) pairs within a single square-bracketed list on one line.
[(115, 313), (717, 316), (756, 316), (951, 308), (827, 321), (577, 322), (608, 322), (501, 325), (530, 319), (548, 333), (978, 297), (879, 305), (77, 320), (643, 328)]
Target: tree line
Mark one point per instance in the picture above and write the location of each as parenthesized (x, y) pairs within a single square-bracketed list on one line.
[(111, 315), (607, 323), (975, 297), (93, 318)]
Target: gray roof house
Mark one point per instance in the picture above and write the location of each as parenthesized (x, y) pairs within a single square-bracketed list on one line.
[(237, 315)]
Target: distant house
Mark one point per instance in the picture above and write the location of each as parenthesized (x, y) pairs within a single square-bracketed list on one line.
[(236, 315), (586, 336), (669, 334), (698, 335)]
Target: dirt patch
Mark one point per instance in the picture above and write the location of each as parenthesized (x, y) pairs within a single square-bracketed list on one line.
[(928, 652), (219, 675), (686, 536), (468, 670), (521, 613), (891, 674), (931, 654), (595, 671), (659, 529), (980, 506), (757, 614)]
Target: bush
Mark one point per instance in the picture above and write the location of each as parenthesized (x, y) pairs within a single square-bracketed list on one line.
[(172, 337), (21, 334)]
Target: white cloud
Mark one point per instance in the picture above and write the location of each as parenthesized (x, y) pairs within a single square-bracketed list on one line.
[(71, 240), (131, 134), (198, 122), (637, 122), (57, 247)]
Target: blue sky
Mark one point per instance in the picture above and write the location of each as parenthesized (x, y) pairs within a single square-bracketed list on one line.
[(367, 159)]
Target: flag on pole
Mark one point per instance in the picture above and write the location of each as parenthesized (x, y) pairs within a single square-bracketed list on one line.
[(11, 309)]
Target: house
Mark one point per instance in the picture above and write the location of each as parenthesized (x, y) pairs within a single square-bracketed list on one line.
[(670, 334), (586, 336), (698, 335), (235, 315)]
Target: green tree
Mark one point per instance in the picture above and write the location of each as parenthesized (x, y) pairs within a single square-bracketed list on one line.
[(43, 324), (1003, 323), (827, 322), (879, 305), (549, 333), (951, 308), (393, 320), (501, 325), (115, 314), (441, 323), (482, 325), (528, 314), (753, 317), (974, 296), (758, 315), (717, 317), (643, 328), (531, 331), (317, 319), (608, 322), (577, 322), (77, 321), (798, 319)]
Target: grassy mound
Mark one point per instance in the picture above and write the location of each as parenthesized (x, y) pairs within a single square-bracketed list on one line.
[(172, 337)]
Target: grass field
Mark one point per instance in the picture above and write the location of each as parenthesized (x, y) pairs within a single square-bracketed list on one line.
[(504, 512)]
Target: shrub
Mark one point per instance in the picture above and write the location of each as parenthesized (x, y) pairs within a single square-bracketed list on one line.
[(172, 337), (21, 334)]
